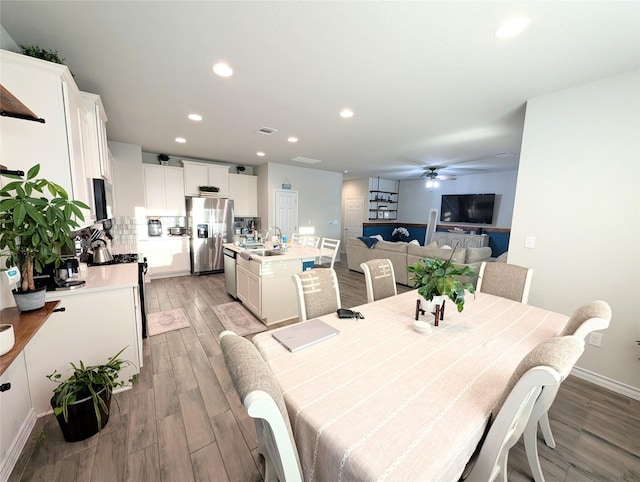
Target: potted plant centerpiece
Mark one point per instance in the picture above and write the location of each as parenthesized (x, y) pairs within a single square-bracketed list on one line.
[(436, 277), (34, 229), (82, 402)]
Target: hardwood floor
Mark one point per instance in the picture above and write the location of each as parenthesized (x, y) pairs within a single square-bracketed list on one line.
[(183, 421)]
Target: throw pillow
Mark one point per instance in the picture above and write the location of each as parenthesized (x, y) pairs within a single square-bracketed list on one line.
[(370, 242), (378, 237), (414, 241), (445, 246), (432, 245)]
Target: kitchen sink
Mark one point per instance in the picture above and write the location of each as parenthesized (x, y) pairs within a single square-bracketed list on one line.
[(266, 252)]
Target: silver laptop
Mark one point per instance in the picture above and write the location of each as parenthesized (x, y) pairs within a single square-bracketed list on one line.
[(301, 335)]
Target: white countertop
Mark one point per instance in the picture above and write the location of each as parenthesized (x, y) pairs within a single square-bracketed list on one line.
[(293, 252), (163, 237), (101, 278)]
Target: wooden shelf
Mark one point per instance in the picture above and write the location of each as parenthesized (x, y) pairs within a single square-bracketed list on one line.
[(10, 106)]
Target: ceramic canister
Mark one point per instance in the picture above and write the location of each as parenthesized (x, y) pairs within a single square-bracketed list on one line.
[(7, 338)]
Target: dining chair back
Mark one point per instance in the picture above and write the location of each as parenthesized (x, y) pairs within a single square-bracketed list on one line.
[(311, 240), (329, 248), (379, 278), (297, 238), (318, 292), (589, 317), (546, 365), (262, 397), (505, 280)]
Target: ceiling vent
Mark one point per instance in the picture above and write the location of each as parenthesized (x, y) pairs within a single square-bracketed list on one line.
[(267, 131), (306, 160)]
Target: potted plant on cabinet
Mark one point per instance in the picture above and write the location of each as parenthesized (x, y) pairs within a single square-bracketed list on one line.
[(82, 402), (35, 229), (436, 277)]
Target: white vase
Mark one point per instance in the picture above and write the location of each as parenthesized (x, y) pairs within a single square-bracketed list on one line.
[(7, 338)]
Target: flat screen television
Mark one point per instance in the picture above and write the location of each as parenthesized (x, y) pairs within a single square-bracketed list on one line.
[(467, 208)]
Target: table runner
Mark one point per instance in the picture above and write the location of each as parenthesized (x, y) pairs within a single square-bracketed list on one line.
[(383, 402)]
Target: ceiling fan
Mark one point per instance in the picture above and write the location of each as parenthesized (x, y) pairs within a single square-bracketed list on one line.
[(433, 178)]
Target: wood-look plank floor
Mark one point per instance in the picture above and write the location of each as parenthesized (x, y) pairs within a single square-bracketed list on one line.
[(183, 421)]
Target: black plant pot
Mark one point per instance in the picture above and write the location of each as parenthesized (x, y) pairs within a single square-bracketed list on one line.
[(82, 422)]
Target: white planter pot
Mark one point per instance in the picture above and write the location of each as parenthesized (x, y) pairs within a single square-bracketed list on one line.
[(430, 306)]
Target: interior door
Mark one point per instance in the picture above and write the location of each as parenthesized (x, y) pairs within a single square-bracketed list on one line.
[(353, 207), (286, 215)]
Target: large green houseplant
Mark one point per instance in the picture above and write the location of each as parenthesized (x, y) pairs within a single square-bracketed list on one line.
[(438, 277), (35, 228), (81, 403)]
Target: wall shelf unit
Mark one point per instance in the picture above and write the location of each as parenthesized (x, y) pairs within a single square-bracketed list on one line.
[(383, 205)]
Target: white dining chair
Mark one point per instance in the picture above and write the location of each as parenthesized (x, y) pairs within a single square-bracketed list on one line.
[(297, 238), (311, 240), (593, 316), (329, 248), (318, 292), (505, 280), (262, 397), (546, 365), (380, 279)]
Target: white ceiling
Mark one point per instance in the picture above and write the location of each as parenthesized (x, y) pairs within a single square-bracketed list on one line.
[(428, 81)]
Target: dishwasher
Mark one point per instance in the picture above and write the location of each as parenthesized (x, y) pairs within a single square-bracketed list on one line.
[(230, 271)]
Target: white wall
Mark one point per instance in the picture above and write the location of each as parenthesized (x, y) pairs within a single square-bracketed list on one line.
[(7, 43), (319, 196), (415, 200), (577, 193)]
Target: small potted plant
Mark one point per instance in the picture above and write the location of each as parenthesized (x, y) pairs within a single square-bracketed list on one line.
[(400, 234), (82, 402), (35, 229), (436, 277)]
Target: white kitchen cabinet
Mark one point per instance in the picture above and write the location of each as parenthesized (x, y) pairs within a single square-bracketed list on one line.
[(94, 326), (47, 89), (127, 179), (249, 290), (164, 190), (17, 418), (100, 157), (166, 256), (244, 192), (198, 174)]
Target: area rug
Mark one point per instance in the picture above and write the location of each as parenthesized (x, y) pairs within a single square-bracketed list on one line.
[(236, 318), (165, 321)]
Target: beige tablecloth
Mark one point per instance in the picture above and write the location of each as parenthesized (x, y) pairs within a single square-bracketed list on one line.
[(380, 401)]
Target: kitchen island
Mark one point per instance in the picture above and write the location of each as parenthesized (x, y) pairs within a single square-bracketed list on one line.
[(263, 280)]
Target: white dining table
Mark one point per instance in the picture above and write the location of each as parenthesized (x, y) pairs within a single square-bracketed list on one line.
[(381, 401)]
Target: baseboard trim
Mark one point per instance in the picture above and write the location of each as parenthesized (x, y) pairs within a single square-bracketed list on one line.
[(608, 383), (16, 447)]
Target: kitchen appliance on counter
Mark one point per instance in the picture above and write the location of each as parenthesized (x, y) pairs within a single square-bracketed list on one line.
[(100, 252), (155, 227), (177, 231), (64, 277), (211, 223)]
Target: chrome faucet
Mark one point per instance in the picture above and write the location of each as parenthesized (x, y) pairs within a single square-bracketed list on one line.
[(274, 228)]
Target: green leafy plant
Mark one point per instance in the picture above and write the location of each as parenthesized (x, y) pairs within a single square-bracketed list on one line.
[(437, 277), (43, 54), (36, 228), (88, 381)]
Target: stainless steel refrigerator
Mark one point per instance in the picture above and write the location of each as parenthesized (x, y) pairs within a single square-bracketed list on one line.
[(211, 224)]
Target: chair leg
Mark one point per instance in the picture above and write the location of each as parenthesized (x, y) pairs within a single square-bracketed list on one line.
[(531, 448), (546, 431), (269, 471)]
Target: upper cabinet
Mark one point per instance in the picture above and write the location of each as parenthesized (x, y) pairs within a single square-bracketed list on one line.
[(164, 190), (198, 174), (100, 158), (62, 145), (244, 192)]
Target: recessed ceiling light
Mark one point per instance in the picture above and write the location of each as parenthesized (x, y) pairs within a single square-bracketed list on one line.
[(346, 113), (346, 171), (180, 140), (260, 154), (512, 27), (292, 139), (222, 69), (195, 117)]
